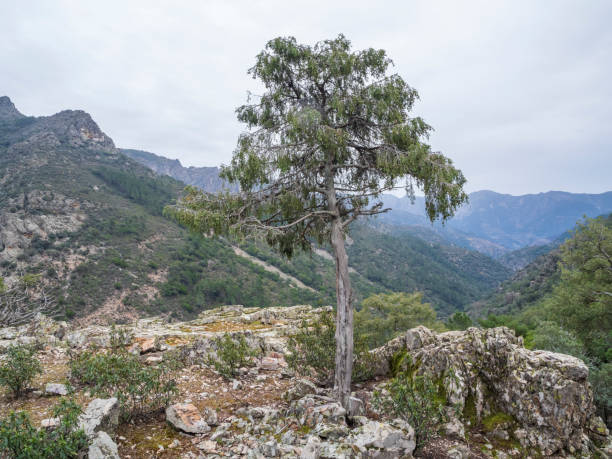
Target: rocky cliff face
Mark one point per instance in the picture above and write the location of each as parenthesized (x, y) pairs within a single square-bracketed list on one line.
[(504, 400), (206, 178)]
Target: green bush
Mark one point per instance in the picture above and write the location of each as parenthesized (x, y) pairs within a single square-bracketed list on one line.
[(19, 369), (139, 388), (384, 316), (231, 354), (19, 439), (459, 321), (416, 400), (312, 352)]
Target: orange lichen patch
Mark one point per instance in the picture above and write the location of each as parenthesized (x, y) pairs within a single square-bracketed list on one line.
[(177, 340), (232, 326)]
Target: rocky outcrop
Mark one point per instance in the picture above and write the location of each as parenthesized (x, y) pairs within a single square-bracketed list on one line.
[(206, 178), (100, 415), (540, 400), (518, 402), (8, 112)]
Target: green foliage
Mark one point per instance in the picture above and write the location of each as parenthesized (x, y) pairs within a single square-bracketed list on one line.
[(397, 260), (330, 133), (312, 351), (576, 317), (19, 369), (19, 439), (416, 400), (153, 193), (139, 388), (231, 354), (459, 321), (382, 317)]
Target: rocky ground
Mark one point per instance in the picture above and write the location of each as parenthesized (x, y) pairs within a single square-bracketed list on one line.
[(506, 401)]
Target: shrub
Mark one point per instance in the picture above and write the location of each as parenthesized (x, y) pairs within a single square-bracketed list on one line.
[(312, 351), (19, 439), (459, 321), (19, 369), (231, 354), (415, 399), (139, 388), (384, 316)]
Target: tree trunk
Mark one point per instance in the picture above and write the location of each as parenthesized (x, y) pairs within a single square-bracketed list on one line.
[(344, 317)]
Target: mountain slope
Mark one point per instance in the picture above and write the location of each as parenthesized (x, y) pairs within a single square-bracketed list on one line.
[(87, 220)]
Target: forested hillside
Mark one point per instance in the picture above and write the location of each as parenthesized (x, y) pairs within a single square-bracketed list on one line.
[(86, 221)]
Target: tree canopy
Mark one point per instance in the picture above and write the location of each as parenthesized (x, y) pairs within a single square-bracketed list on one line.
[(330, 119)]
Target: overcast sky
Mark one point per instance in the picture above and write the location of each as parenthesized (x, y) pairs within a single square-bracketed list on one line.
[(519, 92)]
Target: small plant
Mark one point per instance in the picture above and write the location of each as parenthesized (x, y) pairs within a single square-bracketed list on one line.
[(416, 400), (313, 352), (231, 354), (139, 388), (19, 369), (19, 439)]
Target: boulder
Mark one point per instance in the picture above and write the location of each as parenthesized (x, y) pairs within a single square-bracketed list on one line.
[(186, 417), (102, 447), (56, 389), (100, 414), (544, 397)]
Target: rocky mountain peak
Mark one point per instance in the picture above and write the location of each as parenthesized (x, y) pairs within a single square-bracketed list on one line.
[(8, 111), (74, 128)]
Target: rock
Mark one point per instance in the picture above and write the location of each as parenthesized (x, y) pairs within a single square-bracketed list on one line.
[(356, 407), (153, 359), (56, 389), (269, 449), (454, 429), (50, 423), (186, 417), (545, 395), (210, 417), (312, 450), (382, 436), (459, 452), (208, 446), (300, 389), (100, 414), (270, 364), (103, 447), (144, 345)]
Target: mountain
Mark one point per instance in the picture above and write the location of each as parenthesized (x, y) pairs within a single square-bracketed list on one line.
[(206, 178), (86, 219), (495, 223)]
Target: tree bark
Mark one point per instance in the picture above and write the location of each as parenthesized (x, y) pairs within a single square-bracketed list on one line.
[(344, 317)]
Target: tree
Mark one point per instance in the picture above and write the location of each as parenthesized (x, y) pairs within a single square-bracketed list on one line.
[(384, 316), (330, 133), (459, 321)]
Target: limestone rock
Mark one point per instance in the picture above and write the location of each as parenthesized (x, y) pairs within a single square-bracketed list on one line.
[(312, 450), (56, 389), (383, 437), (100, 414), (545, 395), (187, 418), (103, 447)]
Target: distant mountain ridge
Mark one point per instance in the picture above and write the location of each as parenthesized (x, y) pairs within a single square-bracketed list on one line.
[(206, 178), (497, 223)]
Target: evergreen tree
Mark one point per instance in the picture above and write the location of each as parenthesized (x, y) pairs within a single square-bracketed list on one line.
[(330, 133)]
